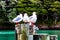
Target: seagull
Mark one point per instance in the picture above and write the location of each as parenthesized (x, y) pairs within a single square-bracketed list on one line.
[(33, 19), (18, 19), (25, 18)]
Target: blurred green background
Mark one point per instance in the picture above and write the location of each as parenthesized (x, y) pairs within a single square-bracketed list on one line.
[(48, 11)]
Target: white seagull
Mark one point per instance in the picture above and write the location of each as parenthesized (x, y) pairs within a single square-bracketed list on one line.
[(33, 18), (25, 18), (18, 19)]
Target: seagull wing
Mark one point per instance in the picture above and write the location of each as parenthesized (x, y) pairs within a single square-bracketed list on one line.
[(33, 18), (17, 19)]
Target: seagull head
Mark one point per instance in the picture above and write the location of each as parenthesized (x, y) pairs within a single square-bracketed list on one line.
[(34, 13), (25, 14), (20, 14)]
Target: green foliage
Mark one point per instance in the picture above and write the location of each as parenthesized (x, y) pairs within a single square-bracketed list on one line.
[(43, 11), (42, 7), (55, 7), (24, 35), (12, 14)]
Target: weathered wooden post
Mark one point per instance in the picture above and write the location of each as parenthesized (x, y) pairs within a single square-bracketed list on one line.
[(22, 31), (25, 31), (18, 30)]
